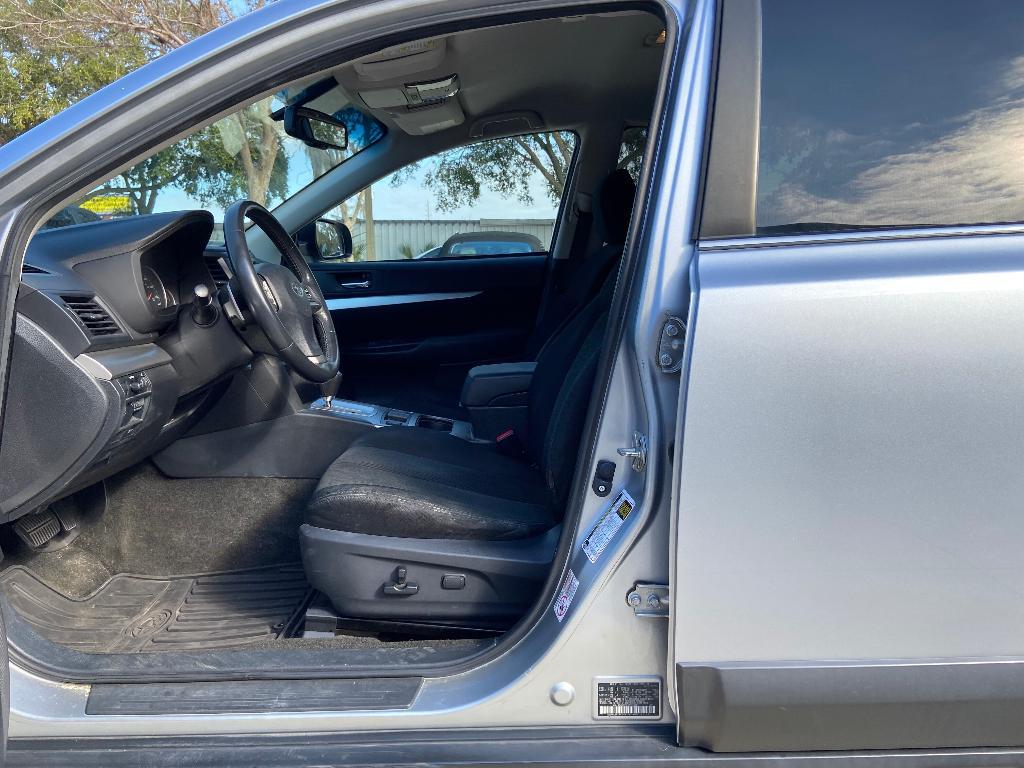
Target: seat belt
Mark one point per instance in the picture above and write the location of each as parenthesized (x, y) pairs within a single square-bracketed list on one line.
[(559, 271), (578, 248), (555, 284)]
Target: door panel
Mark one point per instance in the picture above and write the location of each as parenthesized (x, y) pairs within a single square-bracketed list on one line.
[(850, 489), (407, 325)]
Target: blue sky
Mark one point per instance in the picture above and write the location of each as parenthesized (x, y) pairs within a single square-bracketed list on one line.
[(882, 112), (410, 200)]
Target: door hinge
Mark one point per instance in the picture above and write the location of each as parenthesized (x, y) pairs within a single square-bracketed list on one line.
[(671, 345), (648, 600), (638, 452)]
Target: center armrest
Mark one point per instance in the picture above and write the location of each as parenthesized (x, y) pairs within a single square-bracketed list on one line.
[(499, 385)]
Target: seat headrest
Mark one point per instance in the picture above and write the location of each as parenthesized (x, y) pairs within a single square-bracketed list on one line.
[(614, 206)]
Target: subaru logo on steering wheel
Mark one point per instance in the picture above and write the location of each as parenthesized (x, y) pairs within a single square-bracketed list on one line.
[(299, 290)]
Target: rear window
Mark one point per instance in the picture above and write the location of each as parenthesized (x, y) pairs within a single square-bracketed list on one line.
[(890, 114)]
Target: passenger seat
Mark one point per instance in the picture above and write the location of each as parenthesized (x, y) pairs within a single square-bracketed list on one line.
[(469, 526)]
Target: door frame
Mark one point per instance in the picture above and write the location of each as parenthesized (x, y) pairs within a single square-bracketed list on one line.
[(45, 167)]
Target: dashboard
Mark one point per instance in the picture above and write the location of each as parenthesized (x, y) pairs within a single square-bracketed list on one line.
[(108, 365), (141, 268)]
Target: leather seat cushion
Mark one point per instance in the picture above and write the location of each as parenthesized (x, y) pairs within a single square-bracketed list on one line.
[(417, 483)]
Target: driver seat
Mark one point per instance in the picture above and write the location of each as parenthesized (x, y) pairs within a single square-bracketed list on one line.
[(415, 524)]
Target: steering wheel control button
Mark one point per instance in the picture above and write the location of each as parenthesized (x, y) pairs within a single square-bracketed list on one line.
[(268, 293), (453, 581)]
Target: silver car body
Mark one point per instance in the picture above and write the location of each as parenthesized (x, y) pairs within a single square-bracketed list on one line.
[(845, 429)]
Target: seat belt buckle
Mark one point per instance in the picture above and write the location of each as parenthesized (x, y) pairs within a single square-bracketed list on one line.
[(508, 443)]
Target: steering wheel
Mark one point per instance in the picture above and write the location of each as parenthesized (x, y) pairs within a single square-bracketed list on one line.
[(286, 303)]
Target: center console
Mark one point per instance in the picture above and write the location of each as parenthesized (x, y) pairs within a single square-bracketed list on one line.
[(382, 416), (259, 427)]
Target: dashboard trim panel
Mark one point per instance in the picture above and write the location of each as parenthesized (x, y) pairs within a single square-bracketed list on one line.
[(110, 363)]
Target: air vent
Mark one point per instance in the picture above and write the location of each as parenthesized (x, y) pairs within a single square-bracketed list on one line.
[(220, 277), (28, 269), (96, 319)]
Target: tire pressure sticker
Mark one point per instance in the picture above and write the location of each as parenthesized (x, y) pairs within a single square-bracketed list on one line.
[(627, 698), (607, 526), (565, 595)]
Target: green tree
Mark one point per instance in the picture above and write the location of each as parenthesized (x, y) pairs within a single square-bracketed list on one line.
[(406, 252), (363, 130), (506, 166), (43, 73), (55, 52)]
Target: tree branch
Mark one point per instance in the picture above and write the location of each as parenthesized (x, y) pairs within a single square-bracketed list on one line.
[(534, 158)]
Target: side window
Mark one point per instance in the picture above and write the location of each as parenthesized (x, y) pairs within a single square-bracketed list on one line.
[(881, 114), (494, 198)]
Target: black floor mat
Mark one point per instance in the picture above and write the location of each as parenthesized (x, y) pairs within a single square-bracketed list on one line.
[(142, 614)]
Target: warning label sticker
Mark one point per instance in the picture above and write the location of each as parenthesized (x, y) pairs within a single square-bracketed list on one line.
[(607, 526), (627, 697), (565, 595)]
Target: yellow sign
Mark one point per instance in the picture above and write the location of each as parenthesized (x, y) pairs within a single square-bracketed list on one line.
[(108, 204)]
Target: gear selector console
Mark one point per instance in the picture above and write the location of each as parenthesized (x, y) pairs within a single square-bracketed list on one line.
[(381, 416)]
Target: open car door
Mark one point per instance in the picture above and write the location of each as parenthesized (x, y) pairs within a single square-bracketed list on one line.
[(847, 488)]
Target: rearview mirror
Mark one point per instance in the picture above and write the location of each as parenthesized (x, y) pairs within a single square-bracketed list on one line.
[(315, 129)]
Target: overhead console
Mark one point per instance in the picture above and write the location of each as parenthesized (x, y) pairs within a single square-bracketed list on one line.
[(409, 84)]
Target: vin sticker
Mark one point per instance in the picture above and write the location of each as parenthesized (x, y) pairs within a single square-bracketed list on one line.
[(565, 595), (607, 526), (627, 698)]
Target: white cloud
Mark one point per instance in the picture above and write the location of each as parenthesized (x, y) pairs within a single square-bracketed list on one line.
[(973, 173)]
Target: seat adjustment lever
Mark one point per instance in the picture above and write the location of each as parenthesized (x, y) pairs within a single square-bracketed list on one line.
[(400, 586)]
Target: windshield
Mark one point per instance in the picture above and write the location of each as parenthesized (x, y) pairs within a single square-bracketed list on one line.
[(244, 155)]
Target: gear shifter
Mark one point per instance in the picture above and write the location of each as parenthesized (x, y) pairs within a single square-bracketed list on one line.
[(329, 389)]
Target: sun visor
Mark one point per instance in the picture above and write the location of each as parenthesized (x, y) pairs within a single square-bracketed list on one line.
[(424, 120), (402, 60)]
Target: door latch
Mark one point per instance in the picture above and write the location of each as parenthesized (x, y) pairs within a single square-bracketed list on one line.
[(671, 345), (638, 453), (400, 587), (649, 600)]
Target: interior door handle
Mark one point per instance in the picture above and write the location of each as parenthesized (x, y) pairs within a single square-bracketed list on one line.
[(356, 284)]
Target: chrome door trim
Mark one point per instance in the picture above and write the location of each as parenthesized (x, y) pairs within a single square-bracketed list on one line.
[(860, 236), (361, 302)]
